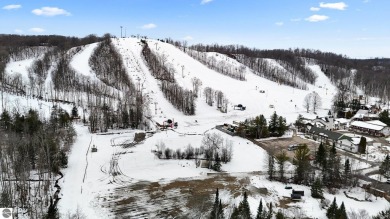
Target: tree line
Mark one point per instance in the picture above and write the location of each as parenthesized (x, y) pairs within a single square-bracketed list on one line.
[(214, 149), (217, 62), (211, 96), (259, 127), (370, 75)]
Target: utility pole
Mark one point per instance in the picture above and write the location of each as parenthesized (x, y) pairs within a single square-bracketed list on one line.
[(139, 84), (121, 31), (2, 90)]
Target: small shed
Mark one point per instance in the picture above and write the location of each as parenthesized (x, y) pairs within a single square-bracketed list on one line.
[(299, 192), (296, 197)]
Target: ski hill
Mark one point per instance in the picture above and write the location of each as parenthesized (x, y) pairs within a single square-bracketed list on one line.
[(122, 180)]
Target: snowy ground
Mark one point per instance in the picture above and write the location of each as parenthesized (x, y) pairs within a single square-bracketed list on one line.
[(99, 182)]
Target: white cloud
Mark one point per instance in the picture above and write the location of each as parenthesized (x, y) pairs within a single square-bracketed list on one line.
[(37, 30), (19, 31), (149, 26), (366, 1), (279, 23), (315, 9), (188, 38), (336, 6), (203, 2), (317, 18), (11, 7), (50, 11)]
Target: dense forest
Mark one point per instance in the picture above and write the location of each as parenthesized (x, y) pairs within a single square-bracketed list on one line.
[(33, 150)]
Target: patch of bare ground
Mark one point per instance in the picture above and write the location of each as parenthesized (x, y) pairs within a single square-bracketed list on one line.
[(283, 203), (184, 198)]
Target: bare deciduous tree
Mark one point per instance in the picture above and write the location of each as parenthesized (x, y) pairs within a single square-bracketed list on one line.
[(316, 101), (307, 102)]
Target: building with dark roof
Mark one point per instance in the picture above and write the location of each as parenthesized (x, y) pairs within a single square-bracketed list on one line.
[(340, 140)]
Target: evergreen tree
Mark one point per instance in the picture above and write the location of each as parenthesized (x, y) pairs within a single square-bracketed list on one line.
[(220, 210), (302, 164), (33, 122), (260, 127), (341, 212), (75, 113), (362, 145), (52, 213), (125, 119), (270, 211), (273, 124), (321, 156), (244, 209), (282, 126), (333, 173), (316, 189), (355, 105), (5, 120), (280, 215), (217, 165), (333, 150), (385, 167), (18, 123), (235, 214), (260, 211), (271, 167), (347, 172), (214, 211), (264, 132), (384, 117), (331, 213)]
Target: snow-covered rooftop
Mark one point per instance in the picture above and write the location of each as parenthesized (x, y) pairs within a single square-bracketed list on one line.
[(377, 122), (361, 113), (342, 120), (367, 125)]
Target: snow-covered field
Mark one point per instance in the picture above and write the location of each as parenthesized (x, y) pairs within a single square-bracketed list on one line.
[(93, 178)]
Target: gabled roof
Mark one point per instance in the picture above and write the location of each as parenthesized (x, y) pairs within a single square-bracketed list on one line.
[(361, 113), (346, 137), (320, 131)]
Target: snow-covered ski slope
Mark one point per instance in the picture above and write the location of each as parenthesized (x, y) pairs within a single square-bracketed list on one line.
[(80, 61), (286, 101)]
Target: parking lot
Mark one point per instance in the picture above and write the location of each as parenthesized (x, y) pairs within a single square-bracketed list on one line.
[(275, 146)]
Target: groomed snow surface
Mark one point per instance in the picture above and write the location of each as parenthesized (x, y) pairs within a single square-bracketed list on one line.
[(93, 177)]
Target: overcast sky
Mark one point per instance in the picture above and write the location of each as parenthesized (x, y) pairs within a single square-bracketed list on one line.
[(356, 28)]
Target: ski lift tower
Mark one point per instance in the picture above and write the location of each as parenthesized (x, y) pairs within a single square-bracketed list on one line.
[(94, 148)]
